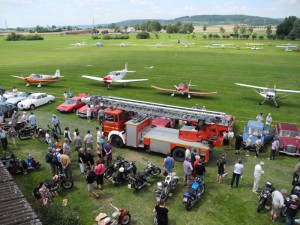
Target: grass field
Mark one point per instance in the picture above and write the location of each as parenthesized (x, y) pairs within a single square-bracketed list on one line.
[(210, 69)]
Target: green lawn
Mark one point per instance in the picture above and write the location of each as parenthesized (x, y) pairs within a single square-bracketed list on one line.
[(210, 69)]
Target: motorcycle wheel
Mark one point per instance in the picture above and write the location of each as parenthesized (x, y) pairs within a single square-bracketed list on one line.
[(174, 184), (117, 182), (156, 171), (126, 219), (67, 184), (188, 206), (259, 208), (41, 137), (37, 165), (22, 135)]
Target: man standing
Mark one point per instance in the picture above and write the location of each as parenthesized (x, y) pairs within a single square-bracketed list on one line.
[(108, 151), (221, 164), (237, 173), (89, 159), (48, 138), (188, 170), (3, 136), (77, 142), (296, 173), (56, 123), (66, 166), (274, 149), (292, 209), (32, 119), (268, 122), (100, 114), (258, 173), (260, 117), (169, 163), (88, 140), (238, 143), (67, 148), (277, 203), (99, 135), (258, 146)]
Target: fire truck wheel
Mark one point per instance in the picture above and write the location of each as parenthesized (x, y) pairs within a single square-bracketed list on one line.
[(117, 141), (178, 154)]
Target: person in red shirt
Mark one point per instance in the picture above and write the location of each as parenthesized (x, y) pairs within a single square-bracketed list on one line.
[(99, 171)]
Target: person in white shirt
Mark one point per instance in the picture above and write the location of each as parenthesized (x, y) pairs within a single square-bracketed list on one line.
[(65, 96), (260, 117), (237, 173), (25, 117), (258, 173), (99, 135), (277, 203), (268, 122)]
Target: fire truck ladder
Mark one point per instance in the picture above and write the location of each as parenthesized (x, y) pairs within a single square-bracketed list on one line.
[(168, 111)]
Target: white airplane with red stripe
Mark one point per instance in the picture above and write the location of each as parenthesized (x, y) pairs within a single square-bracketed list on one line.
[(115, 76)]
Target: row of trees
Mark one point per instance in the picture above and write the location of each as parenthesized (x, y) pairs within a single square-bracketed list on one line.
[(289, 28), (155, 26), (20, 37)]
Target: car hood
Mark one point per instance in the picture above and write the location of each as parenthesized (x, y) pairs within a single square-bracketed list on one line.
[(290, 141), (14, 100), (27, 101), (82, 109), (65, 106)]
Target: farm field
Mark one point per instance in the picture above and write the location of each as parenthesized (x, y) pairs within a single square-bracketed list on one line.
[(214, 69)]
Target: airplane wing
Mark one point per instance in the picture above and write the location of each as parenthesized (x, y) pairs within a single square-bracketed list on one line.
[(129, 81), (289, 91), (251, 86), (164, 89), (202, 93), (93, 78), (23, 78)]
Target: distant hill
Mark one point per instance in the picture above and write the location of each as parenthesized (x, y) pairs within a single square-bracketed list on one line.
[(212, 20)]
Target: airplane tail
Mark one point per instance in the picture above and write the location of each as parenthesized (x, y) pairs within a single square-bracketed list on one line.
[(191, 85), (126, 67), (57, 73)]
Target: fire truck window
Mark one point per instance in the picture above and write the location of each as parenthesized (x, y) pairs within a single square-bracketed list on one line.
[(122, 116), (108, 117)]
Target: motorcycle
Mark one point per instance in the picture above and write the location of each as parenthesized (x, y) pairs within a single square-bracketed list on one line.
[(113, 168), (139, 180), (17, 127), (41, 134), (26, 132), (124, 172), (265, 197), (296, 189), (119, 217), (32, 163), (57, 182), (194, 194), (164, 188)]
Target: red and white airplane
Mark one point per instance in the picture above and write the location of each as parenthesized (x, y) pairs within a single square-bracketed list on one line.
[(183, 88), (40, 78), (115, 76)]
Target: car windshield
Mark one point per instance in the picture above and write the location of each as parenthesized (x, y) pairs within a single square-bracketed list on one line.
[(285, 133), (23, 94), (255, 131), (70, 101)]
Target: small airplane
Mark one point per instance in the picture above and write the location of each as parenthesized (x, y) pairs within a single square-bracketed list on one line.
[(123, 44), (222, 45), (158, 45), (183, 88), (98, 44), (78, 44), (269, 93), (40, 78), (115, 76), (287, 47)]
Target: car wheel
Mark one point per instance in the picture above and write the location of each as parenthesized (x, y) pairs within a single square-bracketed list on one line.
[(74, 110), (32, 107), (49, 102)]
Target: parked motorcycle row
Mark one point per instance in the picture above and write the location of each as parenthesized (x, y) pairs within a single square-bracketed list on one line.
[(16, 165), (22, 130)]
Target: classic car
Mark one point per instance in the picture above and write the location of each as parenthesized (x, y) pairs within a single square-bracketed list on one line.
[(35, 100), (7, 108), (82, 111), (71, 105), (20, 97), (257, 128), (289, 138)]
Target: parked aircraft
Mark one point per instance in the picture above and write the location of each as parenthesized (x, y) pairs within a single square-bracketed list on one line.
[(222, 45), (123, 44), (115, 76), (98, 44), (158, 45), (183, 88), (78, 44), (287, 47), (269, 93), (40, 78)]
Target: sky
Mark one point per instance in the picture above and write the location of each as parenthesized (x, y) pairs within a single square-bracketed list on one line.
[(30, 13)]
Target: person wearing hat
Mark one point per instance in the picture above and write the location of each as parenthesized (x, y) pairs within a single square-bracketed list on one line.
[(268, 122), (292, 209), (56, 123), (25, 118), (277, 203), (258, 173)]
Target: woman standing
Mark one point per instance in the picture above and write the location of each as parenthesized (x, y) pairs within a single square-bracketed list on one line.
[(88, 112), (67, 134), (99, 171), (81, 160), (161, 213)]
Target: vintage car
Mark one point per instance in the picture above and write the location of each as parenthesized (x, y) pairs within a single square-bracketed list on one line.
[(91, 99), (20, 97), (289, 138), (82, 111), (35, 100), (7, 109), (71, 105), (257, 128), (10, 94)]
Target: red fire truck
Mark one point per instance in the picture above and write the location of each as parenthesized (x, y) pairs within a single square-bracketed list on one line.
[(131, 123)]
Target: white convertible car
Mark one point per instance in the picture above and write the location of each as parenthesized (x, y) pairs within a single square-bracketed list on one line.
[(35, 100)]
